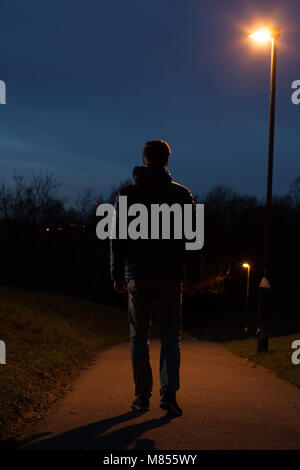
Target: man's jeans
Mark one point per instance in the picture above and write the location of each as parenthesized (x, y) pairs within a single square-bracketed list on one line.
[(165, 297)]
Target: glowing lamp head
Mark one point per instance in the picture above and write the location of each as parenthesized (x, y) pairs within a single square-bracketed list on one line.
[(261, 35), (246, 265), (265, 34)]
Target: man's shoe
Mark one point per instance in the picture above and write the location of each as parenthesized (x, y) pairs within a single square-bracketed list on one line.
[(141, 404), (168, 402)]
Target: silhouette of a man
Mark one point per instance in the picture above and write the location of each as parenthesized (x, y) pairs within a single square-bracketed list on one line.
[(153, 271)]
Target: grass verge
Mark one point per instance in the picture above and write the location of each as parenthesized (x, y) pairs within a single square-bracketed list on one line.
[(277, 359), (49, 338)]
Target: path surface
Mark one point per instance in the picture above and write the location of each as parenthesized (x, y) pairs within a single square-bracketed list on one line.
[(228, 404)]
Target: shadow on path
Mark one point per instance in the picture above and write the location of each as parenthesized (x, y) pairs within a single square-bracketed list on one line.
[(91, 436)]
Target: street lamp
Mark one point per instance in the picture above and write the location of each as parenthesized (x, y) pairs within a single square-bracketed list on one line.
[(264, 292), (247, 266)]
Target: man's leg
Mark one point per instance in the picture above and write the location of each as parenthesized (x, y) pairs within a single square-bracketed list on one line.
[(140, 313), (169, 301)]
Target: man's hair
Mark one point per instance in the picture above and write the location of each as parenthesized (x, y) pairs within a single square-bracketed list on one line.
[(156, 153)]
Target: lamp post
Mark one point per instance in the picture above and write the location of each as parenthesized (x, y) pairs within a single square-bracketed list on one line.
[(247, 266), (264, 291)]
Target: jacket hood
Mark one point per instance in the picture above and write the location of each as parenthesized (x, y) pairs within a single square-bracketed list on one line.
[(147, 176)]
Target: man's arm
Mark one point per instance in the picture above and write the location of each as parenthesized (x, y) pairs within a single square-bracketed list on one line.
[(192, 258), (117, 258)]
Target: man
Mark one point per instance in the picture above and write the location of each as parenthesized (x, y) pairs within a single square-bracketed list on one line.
[(153, 271)]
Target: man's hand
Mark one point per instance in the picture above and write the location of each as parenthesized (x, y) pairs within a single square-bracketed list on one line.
[(190, 288), (121, 286)]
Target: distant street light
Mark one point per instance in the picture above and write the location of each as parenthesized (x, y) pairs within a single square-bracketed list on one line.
[(247, 266), (264, 293)]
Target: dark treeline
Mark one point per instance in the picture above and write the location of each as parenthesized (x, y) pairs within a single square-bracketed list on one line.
[(51, 244)]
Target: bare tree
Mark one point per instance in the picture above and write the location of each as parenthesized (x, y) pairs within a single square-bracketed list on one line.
[(6, 199), (295, 190), (31, 200), (86, 204)]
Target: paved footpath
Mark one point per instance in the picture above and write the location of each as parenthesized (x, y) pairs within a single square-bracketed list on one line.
[(228, 404)]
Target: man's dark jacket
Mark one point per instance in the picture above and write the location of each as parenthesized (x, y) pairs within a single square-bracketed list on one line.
[(153, 259)]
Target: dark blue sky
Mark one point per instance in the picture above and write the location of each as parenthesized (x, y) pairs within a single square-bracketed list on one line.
[(88, 82)]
